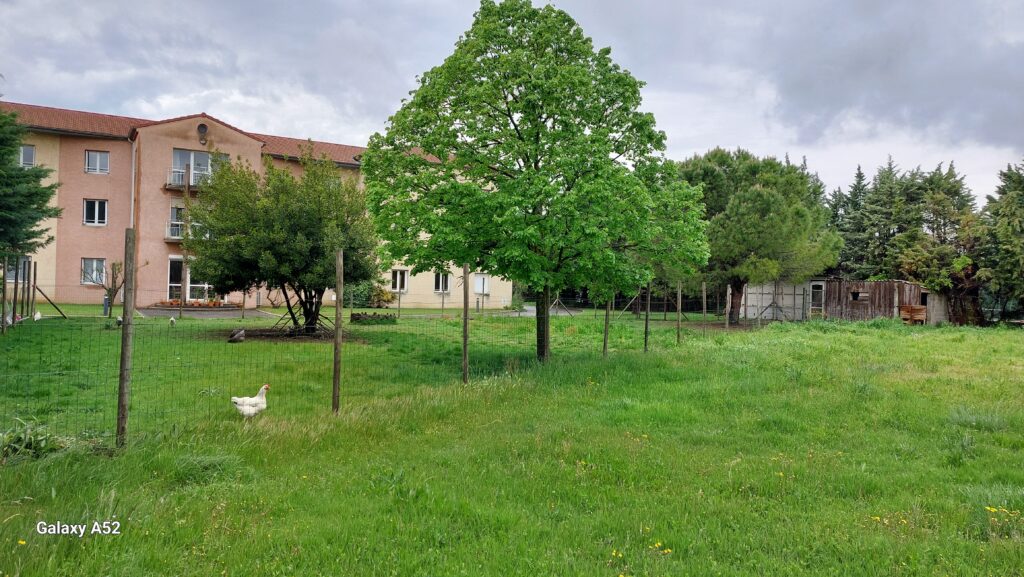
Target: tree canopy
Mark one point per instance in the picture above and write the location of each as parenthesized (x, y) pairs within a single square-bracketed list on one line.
[(1005, 215), (768, 220), (515, 156), (248, 229), (24, 200), (917, 226)]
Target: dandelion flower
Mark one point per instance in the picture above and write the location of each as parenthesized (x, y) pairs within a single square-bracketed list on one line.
[(21, 541)]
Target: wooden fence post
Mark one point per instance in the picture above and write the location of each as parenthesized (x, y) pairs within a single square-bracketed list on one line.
[(728, 303), (679, 312), (3, 299), (647, 318), (32, 294), (704, 306), (124, 380), (14, 294), (339, 295), (465, 323), (607, 319)]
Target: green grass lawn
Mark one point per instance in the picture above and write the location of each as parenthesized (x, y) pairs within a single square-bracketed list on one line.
[(817, 449)]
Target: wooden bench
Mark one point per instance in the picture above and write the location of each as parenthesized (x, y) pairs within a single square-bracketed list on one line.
[(914, 314)]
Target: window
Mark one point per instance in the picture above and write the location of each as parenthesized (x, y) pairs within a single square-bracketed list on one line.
[(441, 281), (398, 280), (97, 161), (817, 296), (28, 155), (95, 213), (199, 290), (175, 274), (176, 225), (93, 271), (481, 284), (197, 161), (924, 299)]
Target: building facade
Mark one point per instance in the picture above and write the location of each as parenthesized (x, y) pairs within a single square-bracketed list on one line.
[(117, 172)]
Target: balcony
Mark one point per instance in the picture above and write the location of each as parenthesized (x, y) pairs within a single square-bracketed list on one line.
[(176, 178), (175, 231)]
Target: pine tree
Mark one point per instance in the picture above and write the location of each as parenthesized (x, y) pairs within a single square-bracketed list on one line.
[(944, 252), (852, 227), (768, 219), (24, 200), (879, 223), (1006, 215)]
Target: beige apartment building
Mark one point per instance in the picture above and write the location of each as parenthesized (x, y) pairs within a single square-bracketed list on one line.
[(117, 172)]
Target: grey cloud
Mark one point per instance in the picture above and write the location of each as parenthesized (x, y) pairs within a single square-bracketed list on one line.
[(780, 76)]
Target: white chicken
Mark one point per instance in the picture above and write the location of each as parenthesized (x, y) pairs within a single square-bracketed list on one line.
[(252, 406)]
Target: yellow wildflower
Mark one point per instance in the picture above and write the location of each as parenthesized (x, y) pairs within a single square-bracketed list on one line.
[(21, 541)]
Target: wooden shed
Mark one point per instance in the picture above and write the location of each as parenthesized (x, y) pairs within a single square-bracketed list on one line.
[(833, 298), (864, 300)]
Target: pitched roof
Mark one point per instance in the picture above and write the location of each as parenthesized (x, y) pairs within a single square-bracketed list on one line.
[(60, 119), (281, 146), (110, 126), (145, 123)]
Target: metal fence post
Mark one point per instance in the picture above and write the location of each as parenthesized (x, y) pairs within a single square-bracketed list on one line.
[(339, 292), (124, 380)]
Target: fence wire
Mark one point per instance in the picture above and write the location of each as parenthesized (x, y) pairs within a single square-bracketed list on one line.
[(63, 373)]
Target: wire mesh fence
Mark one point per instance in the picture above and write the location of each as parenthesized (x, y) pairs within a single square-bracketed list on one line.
[(63, 373)]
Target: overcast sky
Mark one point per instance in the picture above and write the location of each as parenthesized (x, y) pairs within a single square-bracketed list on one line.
[(841, 82)]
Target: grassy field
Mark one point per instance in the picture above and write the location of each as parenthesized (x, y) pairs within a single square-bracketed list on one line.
[(817, 449)]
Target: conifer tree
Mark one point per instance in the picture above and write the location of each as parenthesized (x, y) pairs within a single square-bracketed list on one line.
[(24, 200), (1005, 214)]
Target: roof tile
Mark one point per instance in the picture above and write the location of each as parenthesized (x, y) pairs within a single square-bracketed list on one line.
[(63, 120)]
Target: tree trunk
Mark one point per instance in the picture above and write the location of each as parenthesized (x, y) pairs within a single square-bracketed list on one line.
[(544, 324), (310, 300), (288, 302), (736, 302)]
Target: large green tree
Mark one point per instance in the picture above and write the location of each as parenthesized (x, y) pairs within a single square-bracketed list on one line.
[(768, 220), (918, 226), (1005, 213), (848, 220), (249, 229), (514, 156), (24, 200)]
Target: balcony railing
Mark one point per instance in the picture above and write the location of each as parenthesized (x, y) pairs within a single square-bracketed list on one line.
[(175, 230), (176, 177)]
